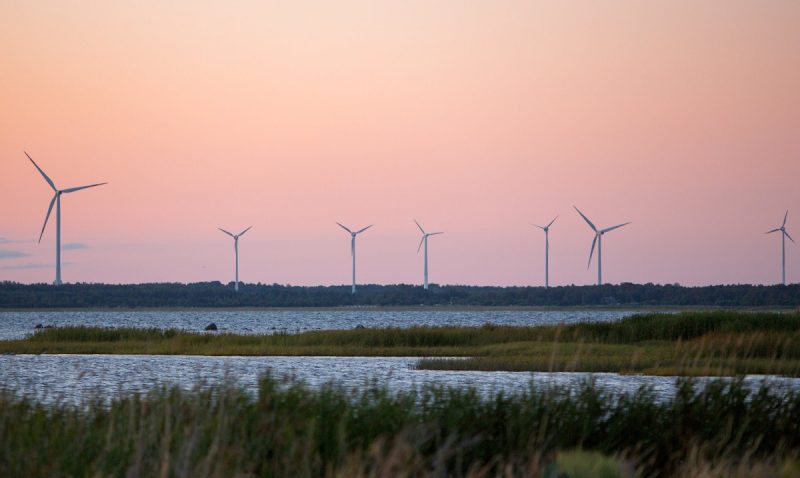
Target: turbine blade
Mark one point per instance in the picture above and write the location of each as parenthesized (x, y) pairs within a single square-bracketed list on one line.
[(226, 232), (346, 229), (46, 178), (551, 222), (72, 190), (787, 235), (420, 244), (613, 227), (362, 230), (435, 233), (49, 209), (591, 253), (536, 225), (242, 233), (784, 218), (420, 227), (586, 219), (774, 230)]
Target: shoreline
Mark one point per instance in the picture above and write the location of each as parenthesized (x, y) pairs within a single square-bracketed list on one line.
[(715, 343), (419, 308)]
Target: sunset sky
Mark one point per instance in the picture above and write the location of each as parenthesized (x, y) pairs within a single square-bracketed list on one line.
[(474, 117)]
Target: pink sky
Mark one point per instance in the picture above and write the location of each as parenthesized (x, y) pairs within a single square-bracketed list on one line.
[(474, 117)]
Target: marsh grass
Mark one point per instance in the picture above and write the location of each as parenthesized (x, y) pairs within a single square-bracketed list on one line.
[(287, 429), (688, 343)]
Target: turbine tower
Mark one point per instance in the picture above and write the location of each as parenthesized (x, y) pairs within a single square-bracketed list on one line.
[(784, 235), (425, 236), (57, 201), (236, 251), (598, 239), (353, 249), (546, 230)]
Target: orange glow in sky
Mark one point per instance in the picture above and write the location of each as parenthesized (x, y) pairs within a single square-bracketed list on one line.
[(476, 118)]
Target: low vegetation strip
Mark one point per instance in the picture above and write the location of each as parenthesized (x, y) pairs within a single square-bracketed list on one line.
[(216, 294), (689, 343), (286, 429)]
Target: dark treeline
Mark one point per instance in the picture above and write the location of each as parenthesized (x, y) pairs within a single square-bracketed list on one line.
[(215, 294)]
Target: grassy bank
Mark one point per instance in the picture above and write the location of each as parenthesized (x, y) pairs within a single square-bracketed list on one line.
[(688, 343), (286, 429)]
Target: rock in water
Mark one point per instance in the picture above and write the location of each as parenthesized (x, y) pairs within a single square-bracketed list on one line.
[(39, 326), (211, 326), (359, 326)]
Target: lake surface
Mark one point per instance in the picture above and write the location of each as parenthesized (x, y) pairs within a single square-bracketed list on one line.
[(16, 325), (75, 377)]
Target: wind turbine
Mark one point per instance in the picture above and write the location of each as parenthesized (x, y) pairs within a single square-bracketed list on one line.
[(784, 235), (598, 239), (57, 200), (353, 249), (425, 236), (546, 230), (236, 251)]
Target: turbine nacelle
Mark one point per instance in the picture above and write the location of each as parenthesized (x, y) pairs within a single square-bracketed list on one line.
[(598, 234), (425, 235), (782, 229), (353, 234), (235, 236), (547, 227)]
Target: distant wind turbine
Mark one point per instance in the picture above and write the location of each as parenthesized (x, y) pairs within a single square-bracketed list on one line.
[(57, 200), (546, 230), (236, 251), (353, 249), (425, 236), (784, 235), (598, 239)]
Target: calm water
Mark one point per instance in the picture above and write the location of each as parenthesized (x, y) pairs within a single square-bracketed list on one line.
[(16, 325), (73, 377)]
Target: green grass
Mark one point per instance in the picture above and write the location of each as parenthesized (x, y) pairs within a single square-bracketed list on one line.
[(688, 343), (286, 429)]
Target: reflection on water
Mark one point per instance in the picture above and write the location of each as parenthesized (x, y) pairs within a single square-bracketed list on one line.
[(74, 377), (16, 325)]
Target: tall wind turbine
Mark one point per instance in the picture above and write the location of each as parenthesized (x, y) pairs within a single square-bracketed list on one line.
[(598, 239), (425, 236), (236, 251), (546, 230), (57, 200), (353, 249), (784, 235)]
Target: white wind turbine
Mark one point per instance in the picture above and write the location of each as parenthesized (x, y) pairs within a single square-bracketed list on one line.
[(784, 235), (57, 201), (425, 236), (353, 249), (546, 230), (598, 239), (236, 251)]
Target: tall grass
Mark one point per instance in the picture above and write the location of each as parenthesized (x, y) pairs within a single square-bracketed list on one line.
[(286, 429), (637, 328), (689, 343)]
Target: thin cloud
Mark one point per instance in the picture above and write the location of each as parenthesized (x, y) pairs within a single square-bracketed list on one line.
[(4, 240), (31, 265), (9, 254), (74, 245)]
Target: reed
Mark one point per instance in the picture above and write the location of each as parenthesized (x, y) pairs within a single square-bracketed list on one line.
[(287, 429), (688, 343)]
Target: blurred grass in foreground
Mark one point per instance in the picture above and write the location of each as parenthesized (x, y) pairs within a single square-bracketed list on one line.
[(288, 430)]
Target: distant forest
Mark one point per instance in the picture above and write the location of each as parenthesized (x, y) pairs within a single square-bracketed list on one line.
[(216, 294)]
